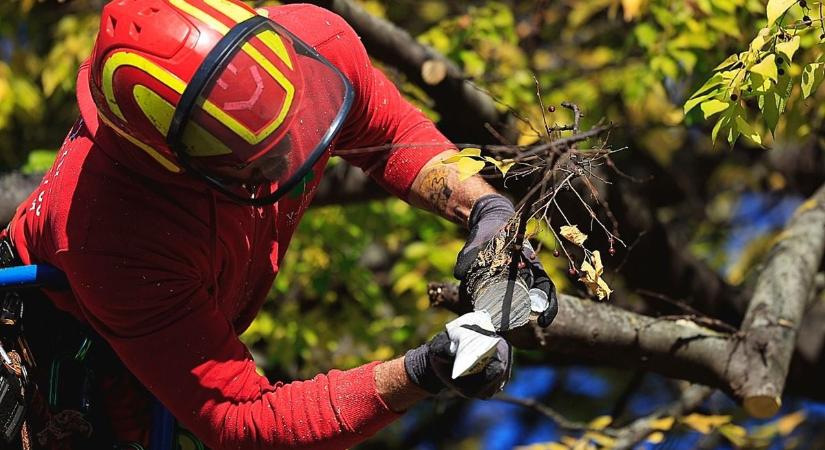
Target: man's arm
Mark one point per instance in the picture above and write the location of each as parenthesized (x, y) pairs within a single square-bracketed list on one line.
[(437, 188), (395, 387)]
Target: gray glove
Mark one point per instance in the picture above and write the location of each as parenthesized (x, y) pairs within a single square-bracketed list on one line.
[(430, 367), (489, 216)]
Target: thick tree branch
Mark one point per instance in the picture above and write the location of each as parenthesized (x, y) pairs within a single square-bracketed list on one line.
[(785, 287), (750, 365), (463, 107)]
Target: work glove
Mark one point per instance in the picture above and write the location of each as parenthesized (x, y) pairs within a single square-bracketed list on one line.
[(430, 367), (490, 215)]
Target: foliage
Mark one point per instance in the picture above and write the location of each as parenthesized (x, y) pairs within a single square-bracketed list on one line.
[(353, 286), (765, 76)]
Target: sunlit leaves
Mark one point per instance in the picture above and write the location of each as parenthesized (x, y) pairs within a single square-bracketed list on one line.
[(704, 423), (789, 48), (812, 76), (632, 8), (776, 8), (713, 106), (766, 68)]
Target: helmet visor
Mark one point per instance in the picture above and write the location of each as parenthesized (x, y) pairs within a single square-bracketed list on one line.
[(264, 113)]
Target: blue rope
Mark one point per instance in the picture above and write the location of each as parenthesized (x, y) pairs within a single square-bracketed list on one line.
[(35, 275)]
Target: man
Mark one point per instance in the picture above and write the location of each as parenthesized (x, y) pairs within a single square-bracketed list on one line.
[(204, 130)]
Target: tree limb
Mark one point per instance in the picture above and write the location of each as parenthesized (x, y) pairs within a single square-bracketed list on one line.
[(464, 109), (750, 365), (785, 286)]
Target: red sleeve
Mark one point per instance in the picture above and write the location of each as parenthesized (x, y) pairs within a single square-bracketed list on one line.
[(172, 335), (379, 115)]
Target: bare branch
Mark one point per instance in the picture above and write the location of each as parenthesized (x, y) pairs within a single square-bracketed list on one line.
[(785, 286)]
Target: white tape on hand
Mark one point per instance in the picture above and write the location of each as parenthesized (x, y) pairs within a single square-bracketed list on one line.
[(472, 348)]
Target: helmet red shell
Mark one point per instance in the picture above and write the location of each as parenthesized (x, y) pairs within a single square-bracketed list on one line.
[(146, 54)]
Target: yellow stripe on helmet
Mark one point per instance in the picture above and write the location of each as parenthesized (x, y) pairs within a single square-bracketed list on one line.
[(165, 162), (239, 14), (271, 40), (127, 58), (196, 139)]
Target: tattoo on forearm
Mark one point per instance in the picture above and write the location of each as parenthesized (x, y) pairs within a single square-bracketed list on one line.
[(438, 189)]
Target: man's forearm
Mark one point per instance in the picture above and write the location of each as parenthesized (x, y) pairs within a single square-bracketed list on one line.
[(437, 188), (395, 387)]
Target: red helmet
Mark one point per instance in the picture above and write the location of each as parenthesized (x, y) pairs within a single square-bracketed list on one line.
[(215, 88)]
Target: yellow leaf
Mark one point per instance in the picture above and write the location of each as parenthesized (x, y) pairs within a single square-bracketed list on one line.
[(573, 234), (467, 152), (788, 423), (603, 440), (761, 39), (528, 138), (713, 106), (789, 48), (776, 8), (656, 437), (663, 424), (767, 68), (467, 167), (503, 166), (555, 446), (735, 434), (632, 8), (704, 424), (600, 423), (592, 277), (569, 441)]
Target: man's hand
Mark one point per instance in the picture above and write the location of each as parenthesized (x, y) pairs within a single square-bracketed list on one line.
[(430, 367), (489, 216)]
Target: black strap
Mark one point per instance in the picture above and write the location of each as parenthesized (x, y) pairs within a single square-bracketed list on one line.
[(8, 257)]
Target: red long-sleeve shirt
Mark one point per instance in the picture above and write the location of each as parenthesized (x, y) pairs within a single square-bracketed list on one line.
[(170, 272)]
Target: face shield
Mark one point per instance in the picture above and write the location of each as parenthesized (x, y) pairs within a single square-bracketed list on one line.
[(259, 113)]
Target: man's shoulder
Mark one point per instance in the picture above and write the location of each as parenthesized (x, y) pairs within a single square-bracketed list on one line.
[(314, 25)]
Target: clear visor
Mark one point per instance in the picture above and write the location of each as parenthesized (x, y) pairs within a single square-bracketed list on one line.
[(266, 114)]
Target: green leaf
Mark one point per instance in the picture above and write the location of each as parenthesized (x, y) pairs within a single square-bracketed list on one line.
[(711, 107), (812, 76), (773, 102), (729, 61), (39, 161), (690, 104), (714, 81), (761, 38), (722, 123), (767, 68), (789, 48), (745, 128), (776, 8)]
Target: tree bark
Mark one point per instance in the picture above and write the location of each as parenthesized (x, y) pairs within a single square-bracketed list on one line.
[(464, 108), (751, 365)]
